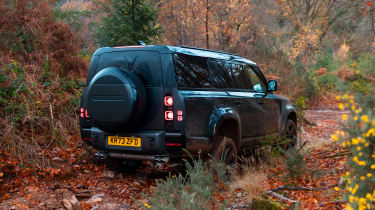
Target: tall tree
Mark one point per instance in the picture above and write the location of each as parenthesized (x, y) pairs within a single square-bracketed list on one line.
[(214, 24), (310, 21), (126, 21)]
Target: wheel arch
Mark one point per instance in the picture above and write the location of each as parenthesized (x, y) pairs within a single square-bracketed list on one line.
[(225, 119), (291, 114)]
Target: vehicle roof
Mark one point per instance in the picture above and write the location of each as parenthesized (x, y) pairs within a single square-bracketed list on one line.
[(180, 49)]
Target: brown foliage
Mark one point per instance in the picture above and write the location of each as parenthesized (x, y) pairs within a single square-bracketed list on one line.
[(29, 34), (321, 72), (219, 25), (40, 54), (346, 73)]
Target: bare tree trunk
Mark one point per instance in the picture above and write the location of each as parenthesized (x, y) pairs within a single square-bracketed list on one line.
[(179, 29), (133, 19), (220, 32), (195, 30), (207, 35)]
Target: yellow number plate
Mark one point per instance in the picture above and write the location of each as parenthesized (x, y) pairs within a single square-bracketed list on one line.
[(124, 141)]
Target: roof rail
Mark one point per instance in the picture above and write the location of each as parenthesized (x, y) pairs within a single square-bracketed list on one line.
[(196, 48)]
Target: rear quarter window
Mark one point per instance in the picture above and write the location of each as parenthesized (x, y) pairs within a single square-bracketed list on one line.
[(191, 71), (145, 64)]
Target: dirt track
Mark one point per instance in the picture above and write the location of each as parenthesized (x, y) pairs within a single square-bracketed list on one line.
[(115, 190), (326, 121)]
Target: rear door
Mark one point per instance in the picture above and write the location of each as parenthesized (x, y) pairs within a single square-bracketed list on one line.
[(242, 97), (201, 93)]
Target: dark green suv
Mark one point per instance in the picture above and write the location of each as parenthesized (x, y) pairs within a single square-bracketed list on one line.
[(149, 102)]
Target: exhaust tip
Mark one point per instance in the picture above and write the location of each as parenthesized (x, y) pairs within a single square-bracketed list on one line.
[(101, 155)]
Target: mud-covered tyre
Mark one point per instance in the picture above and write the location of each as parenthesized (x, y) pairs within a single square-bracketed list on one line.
[(290, 135), (225, 151), (116, 99)]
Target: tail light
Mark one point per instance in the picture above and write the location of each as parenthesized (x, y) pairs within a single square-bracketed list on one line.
[(84, 113), (168, 115), (168, 101)]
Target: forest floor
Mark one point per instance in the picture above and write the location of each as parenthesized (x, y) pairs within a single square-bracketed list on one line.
[(81, 181)]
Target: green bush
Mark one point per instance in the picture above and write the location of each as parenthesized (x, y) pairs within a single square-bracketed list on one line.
[(300, 105), (327, 61), (360, 86), (11, 88), (195, 190), (327, 82), (311, 88), (315, 84), (295, 163), (366, 64)]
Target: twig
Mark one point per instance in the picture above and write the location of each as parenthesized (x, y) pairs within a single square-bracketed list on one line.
[(295, 188), (337, 155), (330, 151), (281, 197), (331, 202), (324, 152), (82, 195), (303, 145), (303, 188)]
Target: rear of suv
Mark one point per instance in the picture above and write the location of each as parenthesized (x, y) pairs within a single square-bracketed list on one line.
[(150, 102)]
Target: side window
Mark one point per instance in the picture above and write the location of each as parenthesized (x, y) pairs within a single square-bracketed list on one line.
[(240, 74), (217, 75), (230, 74), (255, 83), (226, 74), (191, 71)]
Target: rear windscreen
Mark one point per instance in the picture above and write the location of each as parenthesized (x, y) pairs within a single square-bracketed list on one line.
[(145, 64)]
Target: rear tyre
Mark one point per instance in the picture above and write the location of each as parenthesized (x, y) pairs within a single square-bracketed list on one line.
[(226, 151), (290, 135)]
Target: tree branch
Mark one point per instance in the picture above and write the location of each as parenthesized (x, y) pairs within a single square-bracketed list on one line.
[(303, 188), (281, 197)]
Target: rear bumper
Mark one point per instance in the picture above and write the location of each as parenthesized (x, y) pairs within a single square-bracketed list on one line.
[(152, 142)]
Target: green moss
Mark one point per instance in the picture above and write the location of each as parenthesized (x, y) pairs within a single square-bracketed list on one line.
[(265, 205)]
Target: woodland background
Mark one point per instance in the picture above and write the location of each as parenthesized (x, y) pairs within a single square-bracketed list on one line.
[(315, 49)]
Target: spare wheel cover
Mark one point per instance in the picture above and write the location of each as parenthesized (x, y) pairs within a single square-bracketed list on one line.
[(112, 98)]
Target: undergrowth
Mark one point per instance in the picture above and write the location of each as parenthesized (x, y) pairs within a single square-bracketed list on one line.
[(40, 81), (36, 112), (199, 188)]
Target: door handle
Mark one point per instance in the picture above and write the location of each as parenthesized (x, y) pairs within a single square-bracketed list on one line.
[(237, 103), (261, 102)]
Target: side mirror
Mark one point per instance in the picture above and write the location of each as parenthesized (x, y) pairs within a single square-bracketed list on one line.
[(272, 85)]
